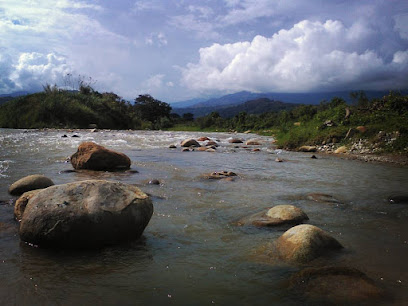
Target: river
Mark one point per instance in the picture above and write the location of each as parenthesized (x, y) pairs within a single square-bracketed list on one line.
[(192, 253)]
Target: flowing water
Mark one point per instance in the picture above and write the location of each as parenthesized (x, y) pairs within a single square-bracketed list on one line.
[(191, 253)]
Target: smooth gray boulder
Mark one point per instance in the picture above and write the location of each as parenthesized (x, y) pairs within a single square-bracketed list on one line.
[(85, 214), (29, 183)]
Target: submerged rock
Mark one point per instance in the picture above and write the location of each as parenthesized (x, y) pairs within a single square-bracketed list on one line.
[(29, 183), (172, 147), (211, 143), (92, 156), (85, 214), (253, 143), (21, 203), (323, 198), (190, 143), (336, 286), (277, 215), (235, 140), (203, 139), (305, 242), (220, 175)]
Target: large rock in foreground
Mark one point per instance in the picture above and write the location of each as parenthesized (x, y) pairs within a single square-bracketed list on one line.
[(29, 183), (22, 202), (336, 286), (304, 243), (85, 214), (92, 156)]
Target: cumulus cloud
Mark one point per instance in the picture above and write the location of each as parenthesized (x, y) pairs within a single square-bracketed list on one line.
[(156, 39), (33, 70), (310, 56)]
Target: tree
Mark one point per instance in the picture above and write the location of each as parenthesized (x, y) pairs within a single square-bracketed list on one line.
[(188, 117), (151, 109)]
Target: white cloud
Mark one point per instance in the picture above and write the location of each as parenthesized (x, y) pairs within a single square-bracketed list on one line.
[(35, 69), (203, 29), (158, 39), (311, 56)]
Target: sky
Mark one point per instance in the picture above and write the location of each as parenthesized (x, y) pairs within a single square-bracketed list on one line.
[(176, 50)]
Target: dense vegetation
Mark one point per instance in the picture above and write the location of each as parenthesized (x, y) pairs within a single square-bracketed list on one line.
[(383, 122), (55, 108), (380, 121)]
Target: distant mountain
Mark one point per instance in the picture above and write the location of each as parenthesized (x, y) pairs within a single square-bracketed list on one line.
[(257, 106), (187, 103), (15, 94), (217, 104)]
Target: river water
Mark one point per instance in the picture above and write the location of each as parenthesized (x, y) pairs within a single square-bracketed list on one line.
[(191, 253)]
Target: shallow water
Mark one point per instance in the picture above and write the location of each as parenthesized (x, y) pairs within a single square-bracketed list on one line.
[(191, 253)]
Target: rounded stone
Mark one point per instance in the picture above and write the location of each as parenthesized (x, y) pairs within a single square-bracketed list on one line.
[(29, 183), (190, 143), (21, 203), (304, 243)]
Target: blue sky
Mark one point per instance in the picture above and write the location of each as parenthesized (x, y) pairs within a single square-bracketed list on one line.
[(181, 49)]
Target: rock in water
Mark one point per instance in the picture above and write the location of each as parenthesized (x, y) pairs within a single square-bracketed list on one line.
[(190, 143), (21, 203), (277, 215), (92, 156), (336, 286), (307, 149), (29, 183), (85, 214), (304, 243)]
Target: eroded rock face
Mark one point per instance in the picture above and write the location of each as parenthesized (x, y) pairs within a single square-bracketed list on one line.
[(92, 156), (21, 203), (190, 143), (305, 242), (29, 183), (336, 286), (277, 215), (85, 214)]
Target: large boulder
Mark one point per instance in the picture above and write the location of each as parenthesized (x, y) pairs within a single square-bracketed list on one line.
[(277, 215), (190, 143), (305, 242), (92, 156), (336, 286), (21, 203), (85, 214), (29, 183)]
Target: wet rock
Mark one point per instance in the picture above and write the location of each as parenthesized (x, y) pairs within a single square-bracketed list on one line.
[(92, 156), (307, 149), (172, 147), (154, 182), (341, 150), (210, 150), (75, 136), (64, 136), (30, 182), (400, 199), (66, 171), (85, 214), (220, 175), (305, 242), (21, 203), (203, 139), (322, 197), (336, 286), (132, 171), (277, 215), (253, 143), (248, 132), (279, 160), (202, 149), (190, 143), (313, 157), (256, 150), (235, 140), (185, 150), (211, 143)]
